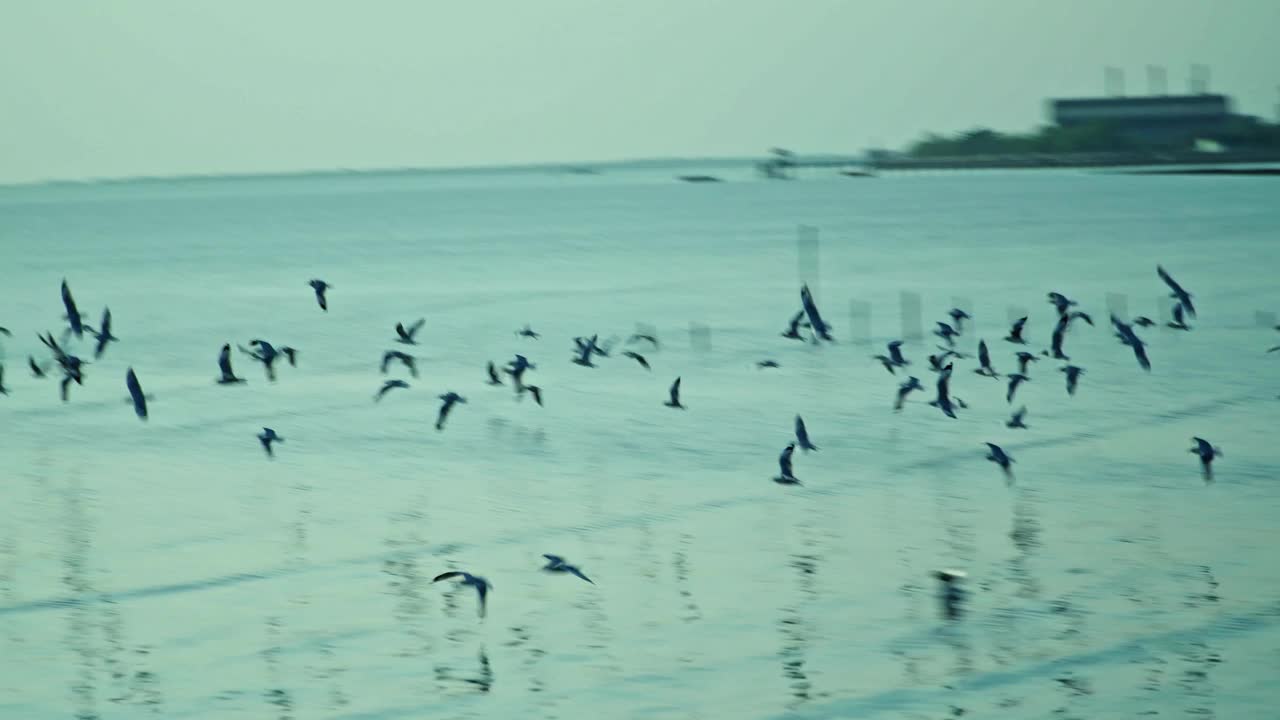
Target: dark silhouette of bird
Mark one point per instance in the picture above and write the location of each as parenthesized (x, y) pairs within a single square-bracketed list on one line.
[(406, 336), (793, 328), (998, 456), (1061, 302), (73, 314), (637, 357), (767, 364), (1059, 334), (643, 336), (1179, 321), (290, 354), (786, 477), (265, 353), (674, 402), (267, 437), (135, 393), (905, 389), (528, 332), (1073, 377), (1016, 420), (408, 360), (493, 375), (72, 366), (3, 390), (1207, 452), (1023, 359), (557, 564), (102, 334), (958, 317), (450, 399), (943, 400), (802, 436), (887, 362), (388, 386), (1015, 332), (228, 377), (481, 585), (1178, 293), (1079, 315), (947, 333), (816, 322), (533, 390), (5, 331), (37, 369), (1143, 321), (984, 361), (895, 354), (937, 363), (321, 287), (517, 368), (1127, 336), (1015, 380)]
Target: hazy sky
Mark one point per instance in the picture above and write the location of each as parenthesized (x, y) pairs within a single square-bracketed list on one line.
[(154, 87)]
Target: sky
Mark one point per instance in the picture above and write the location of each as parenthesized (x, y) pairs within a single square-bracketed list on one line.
[(156, 87)]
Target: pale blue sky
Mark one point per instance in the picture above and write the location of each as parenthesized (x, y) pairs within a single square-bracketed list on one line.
[(158, 87)]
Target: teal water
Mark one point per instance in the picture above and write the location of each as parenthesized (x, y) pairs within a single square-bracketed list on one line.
[(168, 567)]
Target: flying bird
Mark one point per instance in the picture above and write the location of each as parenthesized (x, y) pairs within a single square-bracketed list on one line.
[(450, 399), (887, 362), (895, 354), (1059, 334), (5, 331), (1061, 302), (290, 354), (1015, 332), (73, 314), (481, 585), (784, 463), (516, 369), (224, 365), (1182, 296), (557, 564), (637, 357), (767, 364), (793, 328), (103, 334), (1016, 420), (998, 456), (1207, 452), (533, 390), (135, 392), (3, 390), (1127, 336), (1073, 377), (958, 317), (984, 361), (321, 287), (405, 358), (947, 333), (528, 332), (1023, 359), (905, 389), (267, 437), (802, 436), (1078, 315), (1143, 321), (405, 336), (388, 386), (1179, 321), (1015, 380), (643, 336), (816, 322), (943, 401), (264, 353), (37, 370), (674, 402), (493, 375)]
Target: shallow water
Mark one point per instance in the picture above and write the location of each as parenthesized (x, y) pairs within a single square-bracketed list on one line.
[(170, 568)]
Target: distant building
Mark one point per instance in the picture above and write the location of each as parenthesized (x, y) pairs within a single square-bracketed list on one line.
[(1152, 120)]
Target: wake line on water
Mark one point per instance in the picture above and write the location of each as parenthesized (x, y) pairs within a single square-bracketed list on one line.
[(279, 572)]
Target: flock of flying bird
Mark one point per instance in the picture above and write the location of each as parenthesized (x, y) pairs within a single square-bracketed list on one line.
[(586, 349)]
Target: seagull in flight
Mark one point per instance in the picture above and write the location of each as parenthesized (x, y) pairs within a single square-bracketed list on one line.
[(406, 336), (895, 354), (998, 456), (1061, 302), (1143, 321), (638, 358), (528, 332), (958, 317), (984, 361), (533, 390), (557, 564), (103, 334), (1179, 321), (1016, 420), (37, 370), (1023, 359), (224, 365), (1073, 377), (3, 390), (1207, 452), (450, 399), (135, 393), (1015, 333), (1178, 293), (816, 322), (947, 333), (905, 389), (405, 358), (1015, 380), (388, 386), (943, 400), (887, 362), (793, 327), (802, 436), (784, 464), (674, 402), (266, 437), (643, 336), (266, 354), (321, 287), (493, 374), (767, 364), (73, 314), (481, 585)]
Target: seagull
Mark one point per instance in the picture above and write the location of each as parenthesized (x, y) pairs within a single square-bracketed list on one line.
[(320, 287), (290, 354), (637, 357), (3, 390), (674, 402), (958, 316), (493, 375), (816, 322), (767, 364), (405, 358), (984, 360), (946, 332), (643, 336), (1078, 315), (531, 389), (73, 315), (265, 354), (135, 392), (887, 362), (1179, 322), (1182, 296), (793, 327), (556, 564), (1061, 302), (103, 334), (895, 354), (266, 437), (528, 332), (481, 585), (1207, 453), (37, 370), (943, 400), (406, 336), (802, 436), (1073, 377), (585, 349), (1059, 333), (1143, 321), (224, 364), (388, 386), (1024, 358), (912, 383), (5, 331), (1015, 380), (935, 362), (72, 366), (450, 399), (1130, 338), (1016, 420), (784, 463), (1015, 333), (1001, 458), (516, 369)]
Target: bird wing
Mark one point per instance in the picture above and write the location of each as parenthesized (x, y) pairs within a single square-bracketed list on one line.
[(224, 360), (983, 357), (413, 329), (553, 559), (447, 575), (386, 360), (577, 572), (1173, 284)]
